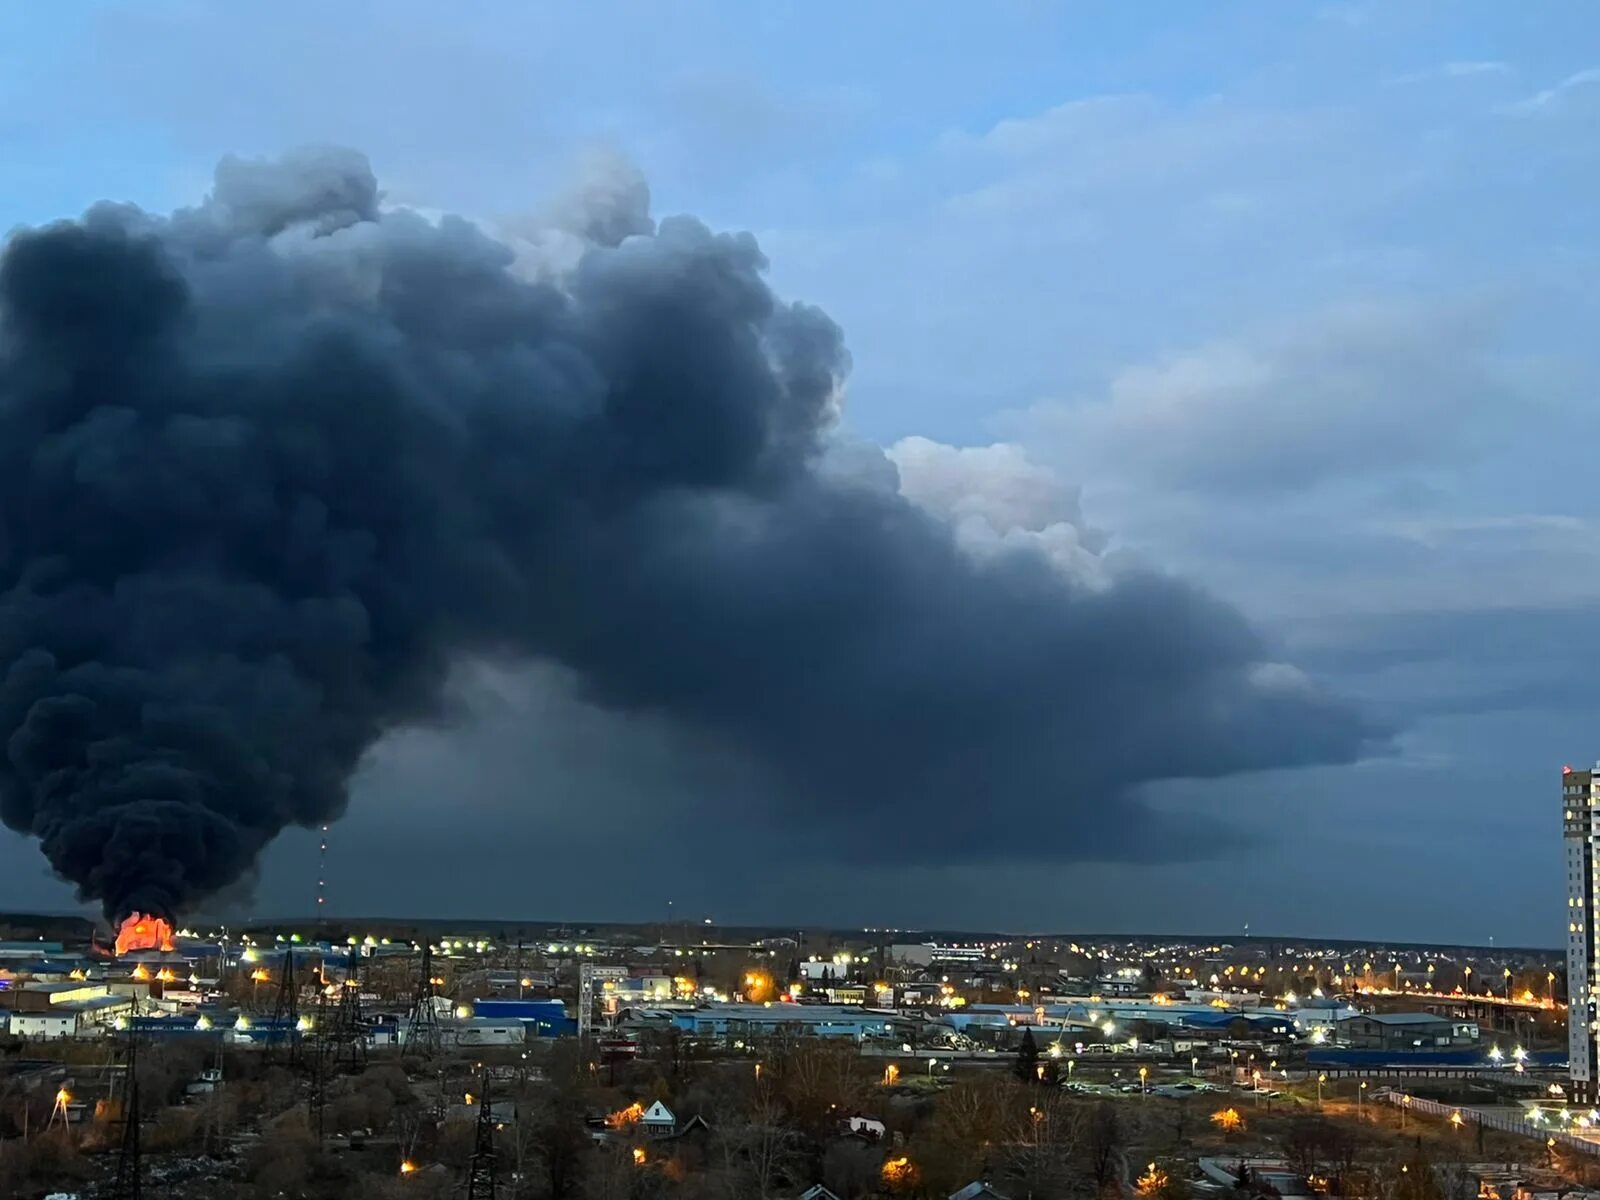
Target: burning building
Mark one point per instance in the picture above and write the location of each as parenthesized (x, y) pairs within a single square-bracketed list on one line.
[(141, 932)]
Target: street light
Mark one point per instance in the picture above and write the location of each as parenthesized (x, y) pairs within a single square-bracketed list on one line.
[(1322, 1078), (1405, 1107), (1360, 1091)]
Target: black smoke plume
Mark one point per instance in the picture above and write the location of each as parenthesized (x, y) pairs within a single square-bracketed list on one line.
[(269, 466)]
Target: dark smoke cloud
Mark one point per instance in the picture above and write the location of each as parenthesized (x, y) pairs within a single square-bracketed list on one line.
[(270, 466)]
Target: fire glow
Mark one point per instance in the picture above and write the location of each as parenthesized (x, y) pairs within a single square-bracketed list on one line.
[(141, 932)]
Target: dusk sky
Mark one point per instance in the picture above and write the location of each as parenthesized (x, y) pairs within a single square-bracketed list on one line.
[(1288, 302)]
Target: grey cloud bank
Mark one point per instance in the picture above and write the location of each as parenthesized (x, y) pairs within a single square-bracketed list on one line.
[(270, 468)]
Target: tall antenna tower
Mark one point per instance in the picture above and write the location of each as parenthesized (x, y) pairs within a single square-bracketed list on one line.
[(585, 1003), (129, 1183), (322, 875), (422, 1032), (480, 1172)]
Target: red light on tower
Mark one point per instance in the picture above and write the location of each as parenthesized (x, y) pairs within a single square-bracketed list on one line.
[(1566, 770)]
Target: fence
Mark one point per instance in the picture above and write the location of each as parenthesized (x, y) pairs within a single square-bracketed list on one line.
[(1489, 1120)]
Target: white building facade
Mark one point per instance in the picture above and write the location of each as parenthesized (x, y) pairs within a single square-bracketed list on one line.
[(1580, 825)]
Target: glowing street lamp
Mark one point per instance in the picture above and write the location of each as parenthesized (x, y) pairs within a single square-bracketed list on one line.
[(1144, 1074), (63, 1098), (1322, 1078)]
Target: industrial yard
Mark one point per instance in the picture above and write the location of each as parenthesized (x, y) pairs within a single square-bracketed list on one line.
[(565, 1062)]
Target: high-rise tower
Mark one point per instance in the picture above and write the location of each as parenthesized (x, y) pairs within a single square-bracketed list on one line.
[(1580, 826)]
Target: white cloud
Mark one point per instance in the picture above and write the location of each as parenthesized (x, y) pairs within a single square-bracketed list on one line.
[(1438, 531), (1547, 99), (1352, 392), (1453, 70), (997, 500)]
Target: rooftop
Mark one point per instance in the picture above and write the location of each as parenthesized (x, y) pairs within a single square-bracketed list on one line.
[(1407, 1018)]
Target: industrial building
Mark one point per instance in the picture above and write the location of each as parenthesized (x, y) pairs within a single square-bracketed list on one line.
[(1093, 1019), (737, 1022), (1404, 1031), (933, 954), (84, 1017), (538, 1018)]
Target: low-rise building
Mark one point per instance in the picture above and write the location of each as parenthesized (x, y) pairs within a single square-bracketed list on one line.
[(44, 1026), (1404, 1031), (738, 1022)]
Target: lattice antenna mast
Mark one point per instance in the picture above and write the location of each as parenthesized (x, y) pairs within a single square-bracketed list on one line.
[(322, 876), (480, 1171), (585, 1004)]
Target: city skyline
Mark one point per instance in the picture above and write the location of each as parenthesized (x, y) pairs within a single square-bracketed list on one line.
[(1294, 314)]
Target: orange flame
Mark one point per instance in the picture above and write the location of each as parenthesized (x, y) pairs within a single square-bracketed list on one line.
[(626, 1116), (141, 932)]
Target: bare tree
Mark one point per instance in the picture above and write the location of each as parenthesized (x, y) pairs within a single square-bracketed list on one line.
[(757, 1151), (1044, 1139), (1104, 1144)]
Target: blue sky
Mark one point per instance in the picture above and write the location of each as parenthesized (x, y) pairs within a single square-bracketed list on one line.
[(1295, 295)]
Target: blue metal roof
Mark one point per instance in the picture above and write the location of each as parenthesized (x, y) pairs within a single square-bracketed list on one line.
[(543, 1010)]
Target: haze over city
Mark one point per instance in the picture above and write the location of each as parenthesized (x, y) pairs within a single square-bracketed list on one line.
[(1269, 339)]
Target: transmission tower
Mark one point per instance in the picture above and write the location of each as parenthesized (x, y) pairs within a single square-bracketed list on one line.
[(319, 1054), (285, 1014), (480, 1172), (129, 1183), (422, 1032), (351, 1047)]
